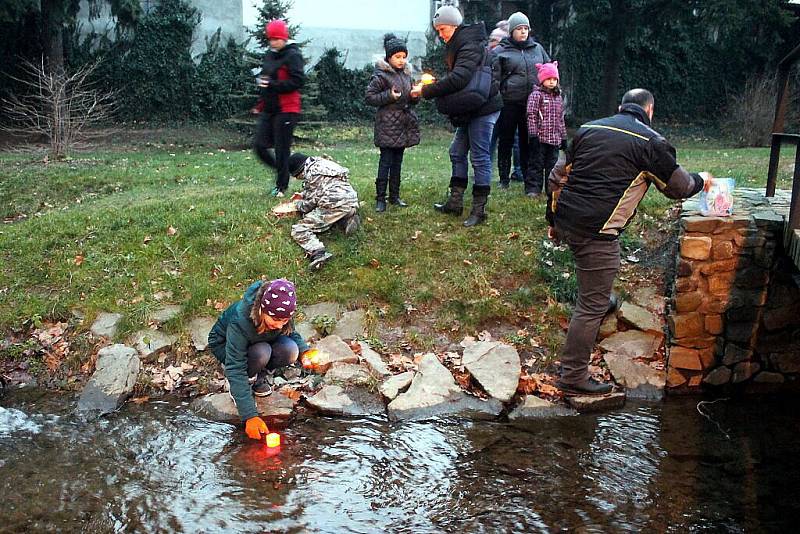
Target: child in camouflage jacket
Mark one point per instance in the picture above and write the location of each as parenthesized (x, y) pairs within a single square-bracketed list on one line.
[(327, 199)]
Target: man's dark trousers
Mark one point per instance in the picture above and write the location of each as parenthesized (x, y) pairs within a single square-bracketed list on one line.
[(596, 266)]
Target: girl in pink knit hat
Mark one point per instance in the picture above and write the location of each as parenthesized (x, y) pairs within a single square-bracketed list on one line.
[(546, 129)]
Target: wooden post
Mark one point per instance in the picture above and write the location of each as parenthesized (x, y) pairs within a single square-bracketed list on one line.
[(794, 208), (774, 156)]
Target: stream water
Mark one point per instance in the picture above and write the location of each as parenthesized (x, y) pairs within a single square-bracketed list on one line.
[(159, 468)]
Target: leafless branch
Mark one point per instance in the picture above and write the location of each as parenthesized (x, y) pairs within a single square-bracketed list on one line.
[(58, 106)]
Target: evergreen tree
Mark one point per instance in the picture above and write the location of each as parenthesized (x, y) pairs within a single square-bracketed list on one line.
[(272, 10)]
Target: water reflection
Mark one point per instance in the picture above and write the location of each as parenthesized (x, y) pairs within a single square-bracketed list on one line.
[(155, 468)]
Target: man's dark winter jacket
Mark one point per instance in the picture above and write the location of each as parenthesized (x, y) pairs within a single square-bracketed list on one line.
[(517, 64), (464, 54), (595, 187), (396, 123), (230, 338), (284, 69)]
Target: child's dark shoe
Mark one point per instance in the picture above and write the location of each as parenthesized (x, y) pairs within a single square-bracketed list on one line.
[(352, 224), (318, 259)]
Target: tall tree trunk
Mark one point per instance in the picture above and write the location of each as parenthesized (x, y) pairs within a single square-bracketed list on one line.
[(53, 34), (615, 48)]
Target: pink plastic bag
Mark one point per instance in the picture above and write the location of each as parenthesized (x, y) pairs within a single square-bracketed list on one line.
[(718, 200)]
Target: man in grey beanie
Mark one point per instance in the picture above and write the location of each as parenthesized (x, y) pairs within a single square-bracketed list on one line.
[(447, 15)]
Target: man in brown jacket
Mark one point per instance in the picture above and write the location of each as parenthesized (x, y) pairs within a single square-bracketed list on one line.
[(593, 193)]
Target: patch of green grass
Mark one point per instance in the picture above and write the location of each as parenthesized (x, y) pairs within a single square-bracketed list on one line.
[(112, 229)]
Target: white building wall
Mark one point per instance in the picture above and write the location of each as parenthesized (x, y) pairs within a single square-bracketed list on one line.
[(225, 14), (356, 27)]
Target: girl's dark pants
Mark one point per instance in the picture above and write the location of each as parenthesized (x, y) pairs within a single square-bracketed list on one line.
[(542, 158), (280, 353), (389, 166), (275, 131)]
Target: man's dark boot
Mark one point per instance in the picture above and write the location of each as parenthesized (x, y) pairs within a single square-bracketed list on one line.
[(397, 202), (455, 200), (380, 205), (590, 386), (480, 196)]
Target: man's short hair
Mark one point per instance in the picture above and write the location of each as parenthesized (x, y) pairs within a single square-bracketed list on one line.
[(642, 97)]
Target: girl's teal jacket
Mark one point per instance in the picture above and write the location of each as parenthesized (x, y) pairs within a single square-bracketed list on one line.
[(233, 334)]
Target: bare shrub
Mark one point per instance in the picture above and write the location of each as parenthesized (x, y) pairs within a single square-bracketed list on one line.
[(750, 114), (57, 106)]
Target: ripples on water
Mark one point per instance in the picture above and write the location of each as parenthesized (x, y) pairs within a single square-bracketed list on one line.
[(158, 468)]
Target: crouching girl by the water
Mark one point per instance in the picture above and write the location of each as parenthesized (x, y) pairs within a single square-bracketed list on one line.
[(254, 335)]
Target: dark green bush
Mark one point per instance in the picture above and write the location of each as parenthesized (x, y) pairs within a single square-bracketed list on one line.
[(341, 90)]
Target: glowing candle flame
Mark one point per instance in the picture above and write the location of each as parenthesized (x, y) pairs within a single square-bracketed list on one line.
[(273, 440), (427, 79), (310, 358)]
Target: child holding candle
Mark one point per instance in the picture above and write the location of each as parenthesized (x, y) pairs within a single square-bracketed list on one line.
[(396, 123), (254, 335)]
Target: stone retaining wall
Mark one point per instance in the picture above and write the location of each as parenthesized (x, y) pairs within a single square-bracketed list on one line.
[(735, 313)]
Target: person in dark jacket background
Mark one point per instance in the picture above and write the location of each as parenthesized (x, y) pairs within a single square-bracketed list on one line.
[(465, 53), (516, 57), (252, 336), (396, 124), (280, 81), (594, 190)]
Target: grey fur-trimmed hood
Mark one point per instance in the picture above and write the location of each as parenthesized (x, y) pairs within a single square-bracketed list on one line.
[(383, 65)]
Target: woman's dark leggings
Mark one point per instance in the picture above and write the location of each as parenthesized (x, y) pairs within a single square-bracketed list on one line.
[(280, 353), (389, 166)]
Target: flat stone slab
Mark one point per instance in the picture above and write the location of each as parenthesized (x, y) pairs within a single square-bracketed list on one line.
[(220, 407), (113, 380), (495, 366), (106, 325), (374, 361), (336, 400), (351, 325), (597, 403), (640, 318), (334, 351), (608, 327), (349, 374), (306, 330), (199, 329), (327, 309), (434, 393), (640, 381), (718, 377), (533, 407), (149, 342), (649, 298), (393, 385), (165, 313), (632, 343)]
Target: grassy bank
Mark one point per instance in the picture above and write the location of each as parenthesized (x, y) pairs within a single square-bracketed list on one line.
[(185, 219)]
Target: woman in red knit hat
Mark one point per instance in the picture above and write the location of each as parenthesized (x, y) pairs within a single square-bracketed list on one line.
[(280, 81)]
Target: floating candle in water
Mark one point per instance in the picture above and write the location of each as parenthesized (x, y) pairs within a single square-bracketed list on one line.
[(273, 440), (427, 79)]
